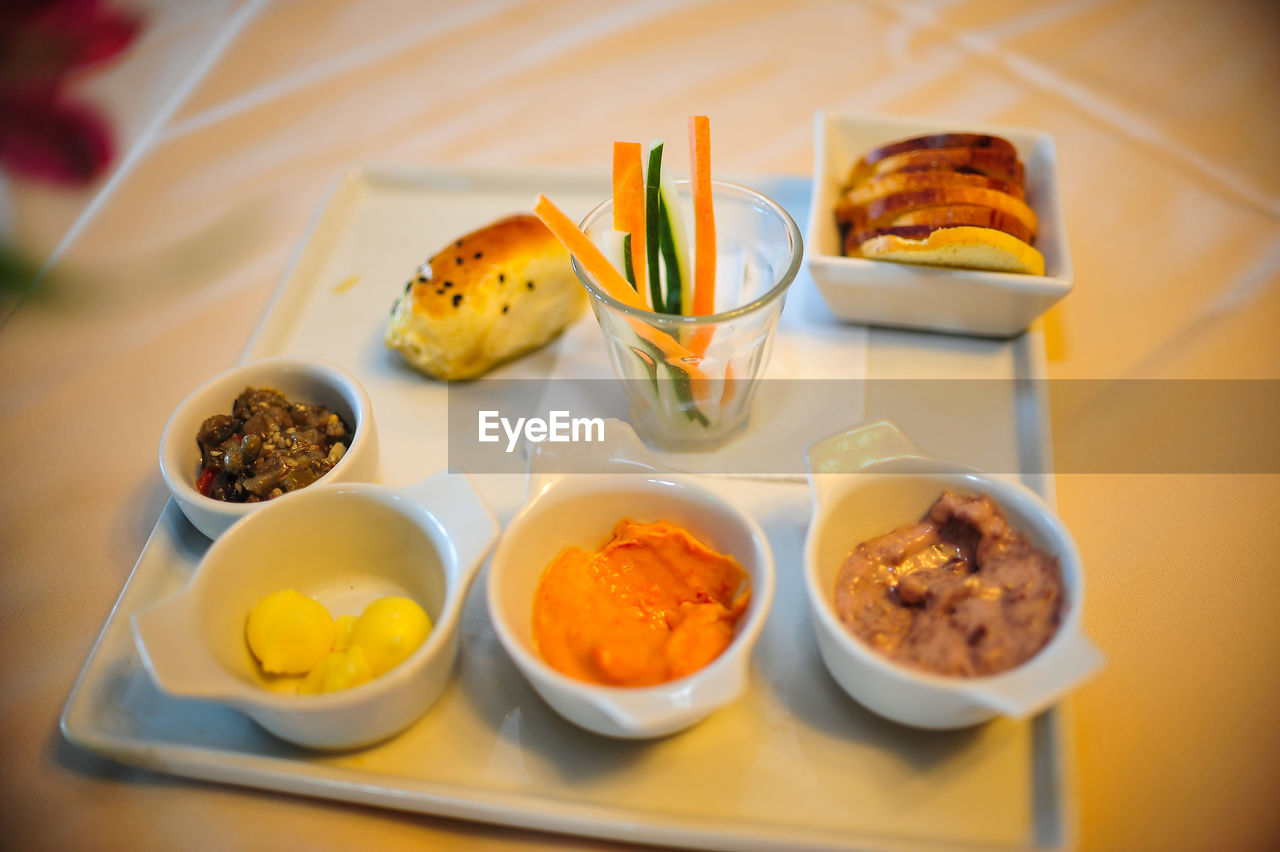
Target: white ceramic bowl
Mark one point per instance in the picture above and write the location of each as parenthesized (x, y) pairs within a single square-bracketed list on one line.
[(345, 545), (872, 480), (967, 301), (582, 510), (301, 380)]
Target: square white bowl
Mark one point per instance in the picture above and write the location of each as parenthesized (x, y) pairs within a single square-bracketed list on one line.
[(964, 301)]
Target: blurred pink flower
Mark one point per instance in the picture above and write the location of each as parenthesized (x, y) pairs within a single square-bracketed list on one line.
[(46, 134)]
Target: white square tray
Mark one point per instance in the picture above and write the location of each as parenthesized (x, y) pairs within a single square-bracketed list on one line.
[(794, 765)]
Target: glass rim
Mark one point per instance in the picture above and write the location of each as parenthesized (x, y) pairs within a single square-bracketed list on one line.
[(653, 317)]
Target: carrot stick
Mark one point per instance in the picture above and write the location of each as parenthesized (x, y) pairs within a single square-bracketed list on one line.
[(612, 282), (704, 222), (591, 258), (628, 206), (704, 228)]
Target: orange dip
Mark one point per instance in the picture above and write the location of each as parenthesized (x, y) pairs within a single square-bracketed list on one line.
[(652, 605)]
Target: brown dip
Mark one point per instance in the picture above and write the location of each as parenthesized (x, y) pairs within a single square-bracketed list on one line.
[(959, 592), (267, 447)]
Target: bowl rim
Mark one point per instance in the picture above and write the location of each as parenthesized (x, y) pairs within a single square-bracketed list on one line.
[(822, 606), (443, 628), (991, 279), (181, 484), (749, 626)]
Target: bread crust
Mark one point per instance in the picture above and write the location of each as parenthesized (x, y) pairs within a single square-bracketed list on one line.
[(487, 297), (939, 140), (881, 211), (998, 163), (907, 181), (916, 224)]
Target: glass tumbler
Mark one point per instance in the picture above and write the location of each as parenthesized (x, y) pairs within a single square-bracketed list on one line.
[(690, 380)]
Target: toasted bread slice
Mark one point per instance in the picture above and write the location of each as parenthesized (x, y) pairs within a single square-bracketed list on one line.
[(1001, 164), (910, 181), (882, 211), (940, 140), (963, 246), (917, 224)]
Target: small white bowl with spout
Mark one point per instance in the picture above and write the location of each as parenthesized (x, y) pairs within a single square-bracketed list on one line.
[(345, 545), (871, 480), (581, 510)]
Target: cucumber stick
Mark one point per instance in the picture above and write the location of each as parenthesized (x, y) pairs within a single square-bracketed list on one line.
[(613, 245), (653, 223), (675, 248), (666, 238), (628, 267)]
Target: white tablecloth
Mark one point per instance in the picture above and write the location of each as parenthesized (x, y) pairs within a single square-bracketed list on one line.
[(235, 117)]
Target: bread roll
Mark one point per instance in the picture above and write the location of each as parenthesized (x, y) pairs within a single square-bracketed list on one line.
[(487, 297)]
